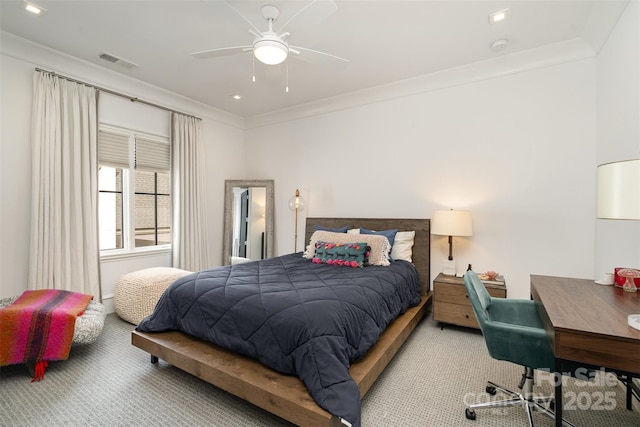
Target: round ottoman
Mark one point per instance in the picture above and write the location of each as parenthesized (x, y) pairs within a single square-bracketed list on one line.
[(137, 293), (88, 326)]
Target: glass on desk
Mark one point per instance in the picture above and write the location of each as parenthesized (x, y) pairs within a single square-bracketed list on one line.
[(630, 274)]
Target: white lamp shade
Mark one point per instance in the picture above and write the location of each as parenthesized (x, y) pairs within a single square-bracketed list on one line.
[(270, 52), (451, 223), (619, 190)]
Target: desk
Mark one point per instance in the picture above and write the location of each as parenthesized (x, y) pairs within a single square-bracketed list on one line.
[(587, 323)]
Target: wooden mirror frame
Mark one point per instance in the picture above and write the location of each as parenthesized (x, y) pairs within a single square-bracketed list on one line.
[(229, 185)]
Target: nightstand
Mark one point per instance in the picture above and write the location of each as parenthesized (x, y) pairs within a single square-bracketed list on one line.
[(451, 302)]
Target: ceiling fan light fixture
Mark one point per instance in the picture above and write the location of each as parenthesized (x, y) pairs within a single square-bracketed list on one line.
[(270, 52)]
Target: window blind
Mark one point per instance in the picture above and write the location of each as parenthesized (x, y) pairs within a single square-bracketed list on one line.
[(113, 148), (152, 154)]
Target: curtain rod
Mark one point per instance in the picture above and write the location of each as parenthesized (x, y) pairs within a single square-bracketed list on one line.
[(113, 92)]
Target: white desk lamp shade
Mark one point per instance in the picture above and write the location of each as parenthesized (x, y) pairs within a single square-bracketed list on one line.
[(619, 190), (451, 223)]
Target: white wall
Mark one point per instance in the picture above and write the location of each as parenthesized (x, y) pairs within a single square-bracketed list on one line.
[(15, 174), (618, 132), (517, 150), (223, 140)]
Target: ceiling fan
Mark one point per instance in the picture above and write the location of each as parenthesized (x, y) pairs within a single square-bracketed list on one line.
[(271, 47)]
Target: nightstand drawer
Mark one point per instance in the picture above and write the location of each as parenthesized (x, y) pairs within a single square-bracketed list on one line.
[(448, 292), (451, 303), (456, 314)]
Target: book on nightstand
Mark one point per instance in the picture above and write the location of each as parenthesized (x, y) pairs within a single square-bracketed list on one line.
[(499, 280)]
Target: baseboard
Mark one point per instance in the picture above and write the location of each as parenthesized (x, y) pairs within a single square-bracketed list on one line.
[(108, 304)]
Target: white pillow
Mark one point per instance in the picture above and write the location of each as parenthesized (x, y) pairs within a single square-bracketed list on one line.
[(380, 247), (235, 260), (402, 244)]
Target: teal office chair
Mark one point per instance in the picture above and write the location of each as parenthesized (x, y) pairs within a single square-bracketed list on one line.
[(513, 332)]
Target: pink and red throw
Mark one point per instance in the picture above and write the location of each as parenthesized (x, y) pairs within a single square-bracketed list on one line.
[(38, 327)]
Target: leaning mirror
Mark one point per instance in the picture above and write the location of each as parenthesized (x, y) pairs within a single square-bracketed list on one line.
[(248, 220)]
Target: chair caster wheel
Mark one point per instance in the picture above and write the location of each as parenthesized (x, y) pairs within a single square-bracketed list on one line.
[(491, 390), (470, 414)]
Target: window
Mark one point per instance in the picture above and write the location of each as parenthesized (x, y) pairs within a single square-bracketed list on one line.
[(134, 185), (110, 204), (152, 208)]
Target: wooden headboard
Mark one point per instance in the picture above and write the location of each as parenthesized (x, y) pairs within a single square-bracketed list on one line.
[(421, 247)]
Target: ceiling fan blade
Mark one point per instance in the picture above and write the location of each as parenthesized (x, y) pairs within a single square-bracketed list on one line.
[(317, 57), (257, 30), (222, 8), (224, 51), (314, 12)]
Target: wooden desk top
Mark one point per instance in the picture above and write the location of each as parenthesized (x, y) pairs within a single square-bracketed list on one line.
[(587, 322)]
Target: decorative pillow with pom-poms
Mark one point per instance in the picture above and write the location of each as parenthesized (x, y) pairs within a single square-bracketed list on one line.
[(354, 255)]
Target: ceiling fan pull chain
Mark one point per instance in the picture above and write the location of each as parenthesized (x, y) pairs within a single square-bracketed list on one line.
[(287, 77), (253, 68)]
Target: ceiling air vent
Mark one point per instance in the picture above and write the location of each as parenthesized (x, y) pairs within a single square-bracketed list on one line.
[(115, 60)]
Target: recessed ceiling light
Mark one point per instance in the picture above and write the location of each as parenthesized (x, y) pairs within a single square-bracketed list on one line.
[(499, 16), (237, 97), (33, 8)]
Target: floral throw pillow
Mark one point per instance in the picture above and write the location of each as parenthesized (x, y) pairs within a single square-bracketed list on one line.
[(354, 255)]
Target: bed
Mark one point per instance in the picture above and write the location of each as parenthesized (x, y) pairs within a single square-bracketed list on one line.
[(286, 395)]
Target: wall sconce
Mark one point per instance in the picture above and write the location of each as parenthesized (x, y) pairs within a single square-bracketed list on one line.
[(296, 203), (451, 223)]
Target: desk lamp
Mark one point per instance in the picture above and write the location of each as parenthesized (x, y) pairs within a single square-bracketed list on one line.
[(619, 198), (451, 223), (619, 190)]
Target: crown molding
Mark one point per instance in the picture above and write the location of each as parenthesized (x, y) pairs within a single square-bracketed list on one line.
[(60, 62), (602, 21), (506, 64), (547, 56)]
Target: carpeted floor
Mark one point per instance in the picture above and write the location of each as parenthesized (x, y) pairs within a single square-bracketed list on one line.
[(112, 383)]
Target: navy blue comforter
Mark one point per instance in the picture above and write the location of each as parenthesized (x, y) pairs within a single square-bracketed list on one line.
[(297, 317)]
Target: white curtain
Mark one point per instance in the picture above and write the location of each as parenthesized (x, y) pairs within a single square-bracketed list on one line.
[(189, 232), (64, 250)]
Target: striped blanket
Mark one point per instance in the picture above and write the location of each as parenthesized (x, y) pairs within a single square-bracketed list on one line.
[(38, 327)]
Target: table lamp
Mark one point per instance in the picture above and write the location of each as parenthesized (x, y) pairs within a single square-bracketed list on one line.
[(451, 223)]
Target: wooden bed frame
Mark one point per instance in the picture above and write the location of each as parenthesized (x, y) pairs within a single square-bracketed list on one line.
[(285, 395)]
